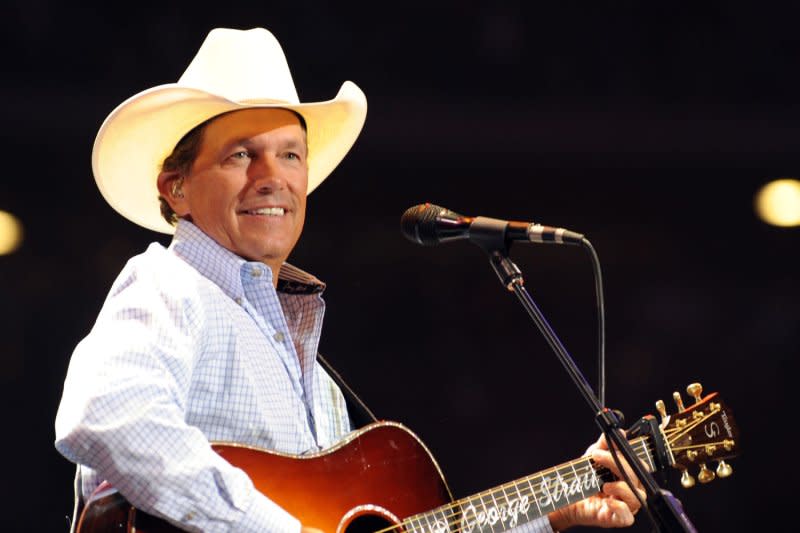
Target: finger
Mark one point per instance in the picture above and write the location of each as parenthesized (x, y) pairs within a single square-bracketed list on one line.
[(621, 491), (599, 444), (617, 513), (604, 458)]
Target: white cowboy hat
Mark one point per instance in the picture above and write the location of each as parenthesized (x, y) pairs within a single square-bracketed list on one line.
[(234, 69)]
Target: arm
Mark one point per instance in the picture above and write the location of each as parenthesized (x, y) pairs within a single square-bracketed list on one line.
[(122, 414)]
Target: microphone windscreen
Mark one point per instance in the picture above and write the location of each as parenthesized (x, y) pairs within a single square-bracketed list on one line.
[(418, 224)]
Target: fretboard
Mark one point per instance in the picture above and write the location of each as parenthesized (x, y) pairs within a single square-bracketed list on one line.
[(520, 501)]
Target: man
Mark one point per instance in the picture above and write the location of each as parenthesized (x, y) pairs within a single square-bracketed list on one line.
[(215, 338)]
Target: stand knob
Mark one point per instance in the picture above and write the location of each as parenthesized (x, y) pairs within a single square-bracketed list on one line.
[(687, 481)]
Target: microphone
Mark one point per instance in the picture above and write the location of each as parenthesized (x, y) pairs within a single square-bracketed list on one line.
[(429, 225)]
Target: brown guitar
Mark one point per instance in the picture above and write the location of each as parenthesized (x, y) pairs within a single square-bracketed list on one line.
[(382, 477)]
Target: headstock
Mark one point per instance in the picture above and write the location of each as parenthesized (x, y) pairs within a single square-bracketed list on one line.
[(698, 434)]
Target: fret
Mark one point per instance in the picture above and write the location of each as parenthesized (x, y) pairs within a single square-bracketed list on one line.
[(427, 526), (487, 513), (494, 513), (418, 527), (440, 522), (509, 507), (565, 487), (544, 499), (423, 523), (590, 479), (517, 508), (576, 481), (456, 518), (525, 503), (534, 496)]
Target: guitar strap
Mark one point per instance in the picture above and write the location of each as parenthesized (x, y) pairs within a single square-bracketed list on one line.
[(77, 508), (357, 410)]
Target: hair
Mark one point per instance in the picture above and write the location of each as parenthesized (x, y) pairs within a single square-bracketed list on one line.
[(182, 158)]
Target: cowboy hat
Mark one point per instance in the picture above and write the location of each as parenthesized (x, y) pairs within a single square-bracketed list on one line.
[(233, 70)]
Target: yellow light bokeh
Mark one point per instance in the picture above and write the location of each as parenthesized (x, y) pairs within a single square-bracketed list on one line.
[(778, 203), (10, 233)]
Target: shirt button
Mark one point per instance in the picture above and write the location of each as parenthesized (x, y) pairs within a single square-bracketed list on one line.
[(256, 272), (278, 336), (238, 301)]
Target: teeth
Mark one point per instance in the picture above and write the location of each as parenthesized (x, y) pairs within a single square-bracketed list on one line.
[(270, 211)]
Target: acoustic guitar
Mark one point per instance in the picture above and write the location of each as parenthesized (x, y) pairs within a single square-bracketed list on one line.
[(383, 478)]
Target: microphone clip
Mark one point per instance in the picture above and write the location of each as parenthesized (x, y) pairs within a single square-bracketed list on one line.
[(490, 234)]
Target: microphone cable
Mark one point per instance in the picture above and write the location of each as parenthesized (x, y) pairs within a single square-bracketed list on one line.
[(601, 321)]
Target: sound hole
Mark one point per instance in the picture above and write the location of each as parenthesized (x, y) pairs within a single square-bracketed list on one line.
[(368, 523)]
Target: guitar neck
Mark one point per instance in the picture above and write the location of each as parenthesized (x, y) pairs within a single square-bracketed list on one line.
[(520, 501)]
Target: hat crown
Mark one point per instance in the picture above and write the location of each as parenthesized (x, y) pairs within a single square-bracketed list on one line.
[(241, 65)]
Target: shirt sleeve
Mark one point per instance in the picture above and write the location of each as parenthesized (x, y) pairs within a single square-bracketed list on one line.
[(540, 525), (122, 414)]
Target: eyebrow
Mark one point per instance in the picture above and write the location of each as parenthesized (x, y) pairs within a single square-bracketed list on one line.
[(293, 144), (285, 143)]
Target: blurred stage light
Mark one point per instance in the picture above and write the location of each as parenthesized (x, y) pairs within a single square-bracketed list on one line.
[(10, 233), (778, 203)]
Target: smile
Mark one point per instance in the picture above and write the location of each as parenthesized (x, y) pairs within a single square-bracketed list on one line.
[(269, 211)]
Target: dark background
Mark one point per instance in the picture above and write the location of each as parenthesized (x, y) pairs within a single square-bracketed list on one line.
[(648, 126)]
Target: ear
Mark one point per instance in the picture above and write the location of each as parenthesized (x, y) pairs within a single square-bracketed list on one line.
[(170, 186)]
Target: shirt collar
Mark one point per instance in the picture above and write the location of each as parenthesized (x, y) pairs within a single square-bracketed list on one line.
[(222, 266)]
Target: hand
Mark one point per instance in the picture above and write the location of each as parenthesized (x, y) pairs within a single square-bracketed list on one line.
[(615, 506)]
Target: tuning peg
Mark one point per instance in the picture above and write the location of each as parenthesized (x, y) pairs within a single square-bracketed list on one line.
[(696, 391), (662, 409), (705, 475), (724, 469), (687, 481), (678, 400)]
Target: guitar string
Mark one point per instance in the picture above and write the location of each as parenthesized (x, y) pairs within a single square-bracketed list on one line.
[(571, 475), (453, 517), (452, 512), (678, 433)]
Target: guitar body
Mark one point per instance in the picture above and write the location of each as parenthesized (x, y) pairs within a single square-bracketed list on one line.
[(376, 477)]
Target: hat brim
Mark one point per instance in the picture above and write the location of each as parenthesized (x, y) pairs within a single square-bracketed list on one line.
[(142, 131)]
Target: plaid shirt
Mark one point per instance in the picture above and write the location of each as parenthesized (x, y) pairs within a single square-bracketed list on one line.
[(194, 344)]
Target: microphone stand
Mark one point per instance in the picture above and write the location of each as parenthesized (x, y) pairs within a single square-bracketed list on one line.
[(664, 509)]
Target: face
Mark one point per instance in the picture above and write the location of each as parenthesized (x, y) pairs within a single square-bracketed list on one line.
[(247, 186)]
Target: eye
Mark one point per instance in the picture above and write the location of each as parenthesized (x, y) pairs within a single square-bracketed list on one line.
[(241, 154), (292, 156)]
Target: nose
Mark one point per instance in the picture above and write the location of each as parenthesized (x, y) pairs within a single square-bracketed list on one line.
[(265, 174)]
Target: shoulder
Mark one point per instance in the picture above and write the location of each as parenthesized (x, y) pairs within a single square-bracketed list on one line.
[(157, 267), (154, 282)]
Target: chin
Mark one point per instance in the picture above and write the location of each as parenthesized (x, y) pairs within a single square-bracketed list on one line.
[(265, 254)]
